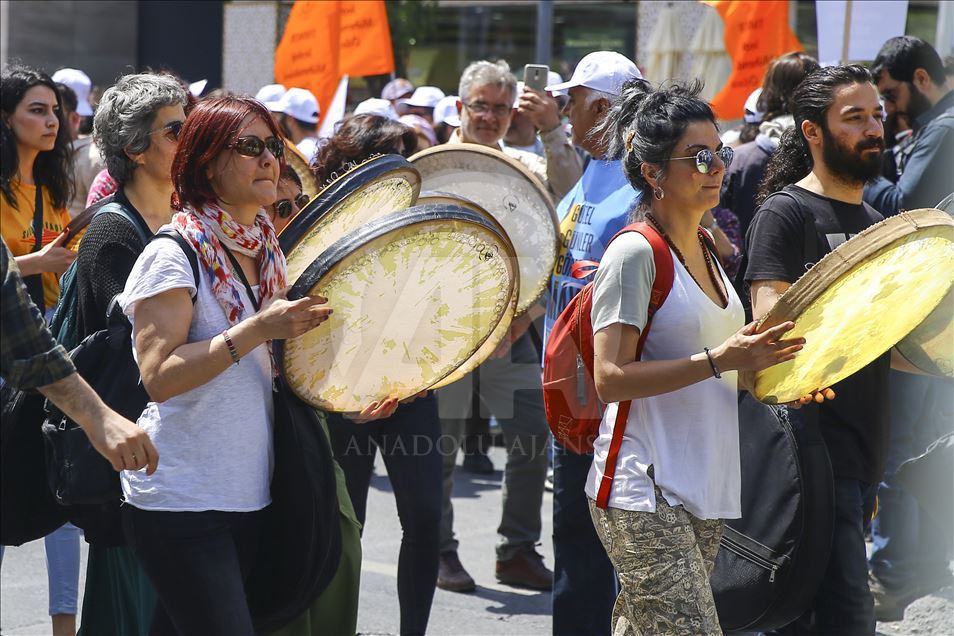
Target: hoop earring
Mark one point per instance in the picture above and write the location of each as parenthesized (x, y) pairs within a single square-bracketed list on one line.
[(658, 193)]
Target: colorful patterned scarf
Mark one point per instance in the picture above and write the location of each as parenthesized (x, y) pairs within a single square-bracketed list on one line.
[(212, 227)]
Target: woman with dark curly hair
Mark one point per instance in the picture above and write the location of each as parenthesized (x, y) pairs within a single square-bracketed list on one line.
[(36, 183), (357, 138), (678, 471), (35, 179)]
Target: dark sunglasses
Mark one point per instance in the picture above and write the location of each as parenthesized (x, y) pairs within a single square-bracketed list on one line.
[(284, 209), (172, 130), (704, 158), (254, 147)]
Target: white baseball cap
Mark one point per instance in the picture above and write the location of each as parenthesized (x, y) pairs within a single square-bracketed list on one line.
[(605, 71), (396, 89), (554, 78), (81, 85), (300, 104), (376, 106), (271, 96), (445, 112), (424, 97), (752, 113)]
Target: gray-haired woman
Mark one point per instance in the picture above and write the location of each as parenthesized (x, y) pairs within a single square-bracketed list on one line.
[(136, 129)]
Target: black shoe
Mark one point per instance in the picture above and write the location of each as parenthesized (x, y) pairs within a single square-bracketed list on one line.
[(452, 576), (478, 463)]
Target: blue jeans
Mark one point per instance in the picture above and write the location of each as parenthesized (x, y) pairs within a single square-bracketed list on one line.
[(62, 568), (409, 443), (843, 605), (584, 581), (909, 547)]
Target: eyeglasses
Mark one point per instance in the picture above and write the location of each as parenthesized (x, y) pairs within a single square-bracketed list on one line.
[(480, 108), (254, 147), (704, 158), (171, 129), (284, 207)]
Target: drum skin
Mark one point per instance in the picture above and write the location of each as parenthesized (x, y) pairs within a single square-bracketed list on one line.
[(508, 191), (415, 294), (930, 347), (375, 188), (859, 300), (503, 327)]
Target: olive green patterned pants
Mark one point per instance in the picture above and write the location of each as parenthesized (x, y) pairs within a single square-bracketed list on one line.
[(663, 560)]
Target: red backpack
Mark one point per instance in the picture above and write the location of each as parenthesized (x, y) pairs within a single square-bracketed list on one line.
[(573, 409)]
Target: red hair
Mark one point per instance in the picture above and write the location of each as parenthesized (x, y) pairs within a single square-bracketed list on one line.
[(208, 130)]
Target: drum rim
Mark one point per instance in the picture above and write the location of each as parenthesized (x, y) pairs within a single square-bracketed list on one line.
[(335, 193), (544, 195), (296, 160), (345, 246), (804, 291)]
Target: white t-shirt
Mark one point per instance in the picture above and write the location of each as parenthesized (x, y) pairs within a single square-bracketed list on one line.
[(214, 441), (689, 436)]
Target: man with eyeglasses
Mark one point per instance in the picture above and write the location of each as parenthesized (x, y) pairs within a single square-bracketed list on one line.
[(488, 91), (509, 384)]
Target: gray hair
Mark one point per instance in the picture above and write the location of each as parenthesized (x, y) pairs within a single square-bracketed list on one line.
[(484, 73), (125, 116)]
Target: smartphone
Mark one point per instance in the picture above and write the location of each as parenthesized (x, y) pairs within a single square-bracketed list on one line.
[(535, 76)]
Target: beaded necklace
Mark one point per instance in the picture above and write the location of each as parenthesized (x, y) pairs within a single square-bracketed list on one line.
[(705, 253)]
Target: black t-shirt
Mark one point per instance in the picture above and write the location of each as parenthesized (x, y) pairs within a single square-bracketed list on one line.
[(855, 423)]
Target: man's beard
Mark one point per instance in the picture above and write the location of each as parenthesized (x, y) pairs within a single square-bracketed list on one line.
[(918, 103), (852, 165)]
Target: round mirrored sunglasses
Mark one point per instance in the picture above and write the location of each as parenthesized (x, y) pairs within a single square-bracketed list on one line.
[(705, 157)]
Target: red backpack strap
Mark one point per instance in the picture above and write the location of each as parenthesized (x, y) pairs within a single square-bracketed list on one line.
[(662, 285)]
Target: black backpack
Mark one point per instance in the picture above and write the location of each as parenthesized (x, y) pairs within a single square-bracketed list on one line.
[(771, 560)]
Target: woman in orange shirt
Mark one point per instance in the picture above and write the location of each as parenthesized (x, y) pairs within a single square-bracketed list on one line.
[(35, 179)]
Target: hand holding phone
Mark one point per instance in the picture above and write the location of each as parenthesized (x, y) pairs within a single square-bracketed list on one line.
[(535, 76)]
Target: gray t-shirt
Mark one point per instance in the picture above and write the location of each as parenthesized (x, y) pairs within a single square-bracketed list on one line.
[(214, 441)]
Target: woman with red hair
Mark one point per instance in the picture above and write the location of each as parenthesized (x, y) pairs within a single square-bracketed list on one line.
[(195, 523)]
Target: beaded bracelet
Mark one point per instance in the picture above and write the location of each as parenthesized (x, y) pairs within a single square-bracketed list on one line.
[(231, 345), (715, 369)]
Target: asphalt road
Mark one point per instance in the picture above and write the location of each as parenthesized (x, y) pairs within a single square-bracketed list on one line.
[(492, 609)]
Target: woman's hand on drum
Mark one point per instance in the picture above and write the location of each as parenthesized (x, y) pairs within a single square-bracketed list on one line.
[(281, 318), (375, 411), (818, 396), (746, 350)]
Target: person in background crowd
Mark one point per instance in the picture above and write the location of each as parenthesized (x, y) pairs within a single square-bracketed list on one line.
[(911, 550), (87, 161), (522, 134), (375, 106), (396, 90), (949, 70), (357, 138), (136, 129), (414, 474), (300, 114), (446, 119), (743, 177), (487, 93), (290, 199), (598, 206), (822, 164), (911, 79), (101, 187), (421, 102), (36, 185), (751, 118), (678, 473), (271, 96), (196, 537), (426, 137)]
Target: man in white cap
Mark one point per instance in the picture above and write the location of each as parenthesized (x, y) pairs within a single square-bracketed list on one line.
[(300, 114), (446, 118), (397, 89), (87, 162), (595, 209), (422, 102)]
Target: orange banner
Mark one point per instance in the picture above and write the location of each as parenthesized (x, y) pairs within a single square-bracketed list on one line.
[(326, 40), (755, 34)]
